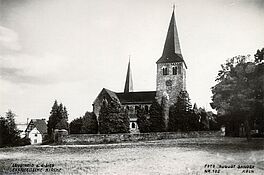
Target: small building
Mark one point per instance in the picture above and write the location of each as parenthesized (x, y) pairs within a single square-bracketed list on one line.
[(36, 130)]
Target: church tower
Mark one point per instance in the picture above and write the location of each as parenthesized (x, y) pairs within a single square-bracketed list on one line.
[(129, 82), (171, 68)]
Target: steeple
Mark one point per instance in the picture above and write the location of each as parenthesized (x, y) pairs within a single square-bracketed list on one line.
[(172, 50), (129, 82)]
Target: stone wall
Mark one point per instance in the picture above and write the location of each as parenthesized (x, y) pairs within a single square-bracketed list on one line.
[(86, 139)]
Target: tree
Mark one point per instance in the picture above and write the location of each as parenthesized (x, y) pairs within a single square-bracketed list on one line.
[(9, 134), (143, 120), (113, 119), (157, 123), (76, 126), (58, 114), (181, 117), (63, 124), (259, 90), (3, 132), (204, 119), (89, 123), (53, 119), (234, 95), (13, 133), (103, 119), (259, 56)]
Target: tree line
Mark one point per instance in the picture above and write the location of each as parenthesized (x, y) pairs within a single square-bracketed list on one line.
[(113, 118), (182, 117), (238, 95)]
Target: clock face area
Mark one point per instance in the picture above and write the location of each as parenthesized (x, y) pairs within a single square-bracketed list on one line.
[(169, 83)]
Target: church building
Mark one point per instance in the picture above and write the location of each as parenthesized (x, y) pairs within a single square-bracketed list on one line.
[(170, 80)]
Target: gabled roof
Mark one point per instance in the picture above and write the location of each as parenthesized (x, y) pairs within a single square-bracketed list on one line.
[(106, 93), (40, 124), (137, 97), (111, 93), (143, 97), (172, 50)]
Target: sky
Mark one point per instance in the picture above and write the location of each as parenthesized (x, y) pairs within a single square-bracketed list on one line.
[(69, 50)]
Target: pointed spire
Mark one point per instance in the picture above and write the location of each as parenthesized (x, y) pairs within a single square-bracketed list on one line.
[(172, 43), (129, 82), (172, 49)]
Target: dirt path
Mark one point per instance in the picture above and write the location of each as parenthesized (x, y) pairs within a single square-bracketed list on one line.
[(180, 156)]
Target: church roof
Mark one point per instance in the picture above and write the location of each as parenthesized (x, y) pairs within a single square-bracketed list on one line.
[(112, 94), (141, 97), (172, 50), (129, 82), (137, 97)]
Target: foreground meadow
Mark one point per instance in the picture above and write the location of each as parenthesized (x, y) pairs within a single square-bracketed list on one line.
[(179, 156)]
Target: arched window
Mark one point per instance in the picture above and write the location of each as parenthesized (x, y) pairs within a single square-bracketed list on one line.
[(133, 125), (165, 71), (127, 107), (180, 70), (174, 70), (147, 108)]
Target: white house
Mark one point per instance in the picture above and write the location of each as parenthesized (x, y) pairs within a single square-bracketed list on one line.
[(36, 130), (35, 136)]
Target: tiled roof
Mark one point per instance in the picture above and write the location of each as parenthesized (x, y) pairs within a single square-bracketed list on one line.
[(172, 50), (111, 93), (137, 97), (40, 124)]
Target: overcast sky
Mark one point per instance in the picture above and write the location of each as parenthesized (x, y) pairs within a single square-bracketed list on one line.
[(70, 49)]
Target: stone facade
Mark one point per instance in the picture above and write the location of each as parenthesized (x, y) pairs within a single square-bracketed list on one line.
[(170, 84), (105, 94)]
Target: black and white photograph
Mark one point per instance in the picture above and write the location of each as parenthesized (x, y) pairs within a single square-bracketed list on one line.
[(132, 87)]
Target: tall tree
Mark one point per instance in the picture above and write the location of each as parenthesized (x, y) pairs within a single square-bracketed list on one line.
[(58, 114), (157, 122), (259, 90), (12, 129), (4, 134), (143, 120), (53, 119), (181, 115), (234, 95), (89, 123)]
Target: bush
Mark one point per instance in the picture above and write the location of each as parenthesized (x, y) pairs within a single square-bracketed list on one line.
[(76, 126), (89, 123)]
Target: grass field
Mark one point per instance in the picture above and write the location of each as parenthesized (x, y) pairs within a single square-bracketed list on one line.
[(179, 156)]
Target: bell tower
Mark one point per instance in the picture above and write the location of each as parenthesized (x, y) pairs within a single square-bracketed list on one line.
[(171, 68)]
